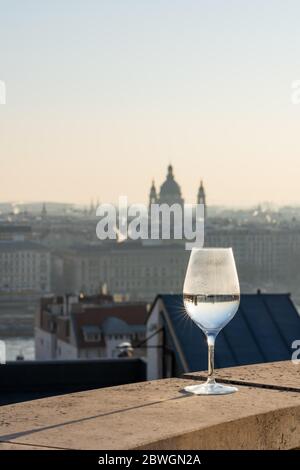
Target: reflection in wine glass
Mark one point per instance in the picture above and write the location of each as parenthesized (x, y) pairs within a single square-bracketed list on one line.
[(211, 296)]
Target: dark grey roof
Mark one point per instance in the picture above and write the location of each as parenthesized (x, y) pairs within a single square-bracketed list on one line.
[(262, 331), (114, 325), (10, 228), (21, 245), (129, 245)]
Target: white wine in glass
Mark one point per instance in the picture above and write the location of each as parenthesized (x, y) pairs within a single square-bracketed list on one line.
[(211, 296)]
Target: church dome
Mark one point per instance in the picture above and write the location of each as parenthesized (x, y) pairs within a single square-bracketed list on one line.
[(170, 187)]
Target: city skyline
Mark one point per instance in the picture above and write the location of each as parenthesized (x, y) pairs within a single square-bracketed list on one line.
[(100, 98), (170, 195)]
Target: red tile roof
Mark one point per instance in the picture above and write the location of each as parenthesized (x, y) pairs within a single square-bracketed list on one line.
[(132, 314)]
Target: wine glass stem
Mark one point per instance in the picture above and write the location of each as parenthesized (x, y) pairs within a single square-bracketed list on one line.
[(211, 359)]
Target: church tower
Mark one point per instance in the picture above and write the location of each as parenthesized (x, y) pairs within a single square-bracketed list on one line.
[(92, 208), (152, 195), (201, 198), (44, 211)]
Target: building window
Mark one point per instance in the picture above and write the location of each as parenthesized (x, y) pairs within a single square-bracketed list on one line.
[(91, 336)]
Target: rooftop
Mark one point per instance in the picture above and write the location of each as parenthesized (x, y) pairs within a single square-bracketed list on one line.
[(263, 330), (8, 228), (264, 414), (21, 245)]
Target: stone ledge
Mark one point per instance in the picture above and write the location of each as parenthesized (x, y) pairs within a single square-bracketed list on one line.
[(282, 375), (12, 446), (156, 415)]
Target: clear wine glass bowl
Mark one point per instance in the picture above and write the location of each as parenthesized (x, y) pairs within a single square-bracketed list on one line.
[(211, 296)]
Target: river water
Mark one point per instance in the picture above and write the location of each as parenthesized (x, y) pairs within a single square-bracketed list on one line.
[(18, 345), (17, 330)]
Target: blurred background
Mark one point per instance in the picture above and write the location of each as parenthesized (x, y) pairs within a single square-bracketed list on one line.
[(167, 102)]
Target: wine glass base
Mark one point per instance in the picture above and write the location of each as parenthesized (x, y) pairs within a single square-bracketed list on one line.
[(210, 389)]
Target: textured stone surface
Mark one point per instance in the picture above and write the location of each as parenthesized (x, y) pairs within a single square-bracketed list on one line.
[(155, 415), (279, 375), (12, 446)]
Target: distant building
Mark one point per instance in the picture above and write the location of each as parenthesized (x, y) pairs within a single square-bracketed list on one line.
[(137, 270), (262, 330), (44, 211), (15, 232), (25, 267), (79, 327), (131, 270), (152, 195), (263, 254), (267, 256), (170, 192), (201, 197)]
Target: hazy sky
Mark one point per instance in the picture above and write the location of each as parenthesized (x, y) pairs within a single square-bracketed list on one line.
[(103, 94)]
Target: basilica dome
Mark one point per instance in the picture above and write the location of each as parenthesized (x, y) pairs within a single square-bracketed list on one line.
[(170, 192), (170, 189)]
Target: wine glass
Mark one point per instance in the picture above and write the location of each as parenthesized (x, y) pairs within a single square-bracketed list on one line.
[(211, 296)]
